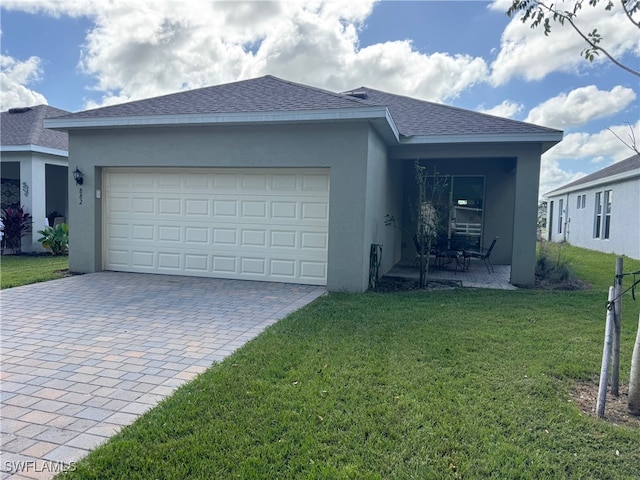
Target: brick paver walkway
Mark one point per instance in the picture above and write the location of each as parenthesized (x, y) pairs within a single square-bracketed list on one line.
[(85, 355)]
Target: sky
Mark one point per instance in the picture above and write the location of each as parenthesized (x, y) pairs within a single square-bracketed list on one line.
[(81, 54)]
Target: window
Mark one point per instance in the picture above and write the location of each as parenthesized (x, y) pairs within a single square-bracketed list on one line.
[(460, 201), (597, 220), (581, 201), (602, 215), (560, 212), (608, 197)]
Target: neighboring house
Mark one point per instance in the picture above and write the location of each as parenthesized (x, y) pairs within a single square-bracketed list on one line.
[(266, 179), (34, 167), (600, 211)]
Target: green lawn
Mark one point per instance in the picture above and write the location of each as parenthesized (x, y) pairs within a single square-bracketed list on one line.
[(16, 270), (427, 385)]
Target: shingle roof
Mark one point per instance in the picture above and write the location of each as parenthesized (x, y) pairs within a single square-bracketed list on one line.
[(24, 126), (623, 166), (420, 118), (270, 94), (265, 94)]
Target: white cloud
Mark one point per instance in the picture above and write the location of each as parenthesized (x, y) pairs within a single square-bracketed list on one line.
[(397, 67), (526, 52), (15, 75), (581, 106), (506, 109), (587, 153), (143, 48)]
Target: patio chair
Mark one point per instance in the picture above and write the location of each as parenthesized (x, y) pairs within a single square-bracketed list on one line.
[(483, 254)]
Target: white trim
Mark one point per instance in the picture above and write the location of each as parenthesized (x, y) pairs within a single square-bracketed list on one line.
[(482, 138), (629, 174), (362, 113), (34, 148)]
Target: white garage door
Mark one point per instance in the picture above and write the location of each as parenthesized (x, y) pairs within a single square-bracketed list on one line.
[(252, 224)]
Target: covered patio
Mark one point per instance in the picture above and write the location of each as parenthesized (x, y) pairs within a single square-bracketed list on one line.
[(476, 276)]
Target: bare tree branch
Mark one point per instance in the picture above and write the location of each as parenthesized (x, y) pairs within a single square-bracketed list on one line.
[(592, 39), (633, 145)]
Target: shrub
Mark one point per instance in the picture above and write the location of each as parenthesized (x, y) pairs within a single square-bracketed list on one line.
[(55, 239), (555, 272), (16, 222)]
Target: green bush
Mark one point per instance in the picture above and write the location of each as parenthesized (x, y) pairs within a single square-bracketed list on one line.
[(55, 239)]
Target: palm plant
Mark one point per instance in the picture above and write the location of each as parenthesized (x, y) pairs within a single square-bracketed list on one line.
[(55, 239)]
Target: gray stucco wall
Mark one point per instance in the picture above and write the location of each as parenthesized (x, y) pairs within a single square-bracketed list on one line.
[(344, 149), (384, 195), (527, 179)]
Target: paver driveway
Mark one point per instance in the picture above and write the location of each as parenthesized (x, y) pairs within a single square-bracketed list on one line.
[(85, 355)]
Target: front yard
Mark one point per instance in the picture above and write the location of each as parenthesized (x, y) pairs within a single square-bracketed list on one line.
[(16, 270), (445, 384)]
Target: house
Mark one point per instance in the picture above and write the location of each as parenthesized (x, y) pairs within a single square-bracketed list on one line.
[(600, 211), (34, 167), (265, 179)]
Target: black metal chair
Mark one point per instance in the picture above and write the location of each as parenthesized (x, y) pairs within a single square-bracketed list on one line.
[(483, 254)]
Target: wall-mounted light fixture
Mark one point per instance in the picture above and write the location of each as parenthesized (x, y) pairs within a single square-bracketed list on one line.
[(78, 177)]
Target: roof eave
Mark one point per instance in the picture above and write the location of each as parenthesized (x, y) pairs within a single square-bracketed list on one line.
[(34, 148), (378, 114), (546, 139), (628, 175)]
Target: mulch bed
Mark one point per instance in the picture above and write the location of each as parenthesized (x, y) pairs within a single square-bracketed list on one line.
[(401, 284), (585, 396)]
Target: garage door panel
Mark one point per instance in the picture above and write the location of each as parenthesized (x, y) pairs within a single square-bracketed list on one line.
[(166, 206), (142, 259), (225, 237), (171, 261), (314, 240), (118, 231), (196, 235), (117, 204), (315, 211), (198, 207), (283, 239), (225, 208), (197, 183), (224, 264), (169, 234), (264, 224), (118, 258), (313, 270), (253, 209), (253, 183), (143, 232), (253, 238), (284, 182), (194, 263), (283, 268), (315, 183)]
